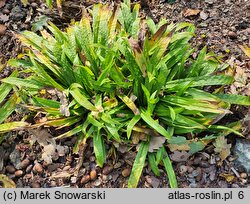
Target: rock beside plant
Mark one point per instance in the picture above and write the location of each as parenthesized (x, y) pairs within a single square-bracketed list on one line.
[(242, 152)]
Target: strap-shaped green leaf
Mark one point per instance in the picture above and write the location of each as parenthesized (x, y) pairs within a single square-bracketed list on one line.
[(155, 125), (235, 99), (99, 148), (138, 165)]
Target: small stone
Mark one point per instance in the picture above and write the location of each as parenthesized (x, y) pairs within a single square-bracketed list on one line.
[(18, 173), (29, 168), (203, 15), (97, 182), (53, 184), (24, 163), (34, 5), (92, 158), (232, 35), (209, 1), (38, 168), (73, 179), (35, 185), (2, 29), (28, 176), (117, 165), (183, 169), (243, 175), (107, 169), (190, 169), (204, 164), (126, 172), (197, 160), (10, 169), (85, 179), (105, 177), (6, 11), (93, 174)]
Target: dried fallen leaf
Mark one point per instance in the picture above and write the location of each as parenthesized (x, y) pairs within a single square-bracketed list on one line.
[(222, 147), (229, 177), (191, 12), (46, 141), (62, 174), (174, 147), (245, 49), (7, 182), (178, 156), (2, 29), (156, 143)]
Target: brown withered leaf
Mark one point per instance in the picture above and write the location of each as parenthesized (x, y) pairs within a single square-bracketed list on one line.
[(156, 143), (180, 156), (222, 147), (191, 12), (46, 140), (174, 147), (245, 49), (229, 177)]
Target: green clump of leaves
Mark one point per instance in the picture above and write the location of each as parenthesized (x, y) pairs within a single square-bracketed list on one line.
[(116, 77)]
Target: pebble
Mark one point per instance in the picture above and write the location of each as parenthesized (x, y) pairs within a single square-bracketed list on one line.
[(18, 173), (2, 29), (85, 179), (97, 182), (73, 179), (105, 178), (197, 160), (34, 5), (38, 168), (203, 15), (10, 169), (117, 165), (107, 169), (93, 174), (35, 185), (183, 169), (190, 169), (24, 163), (92, 158), (29, 168), (6, 11), (126, 172), (243, 175), (232, 35), (204, 164), (53, 184)]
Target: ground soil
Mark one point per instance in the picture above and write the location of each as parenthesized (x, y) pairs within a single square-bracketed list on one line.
[(221, 25)]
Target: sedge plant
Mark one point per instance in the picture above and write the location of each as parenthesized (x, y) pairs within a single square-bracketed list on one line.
[(118, 77)]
